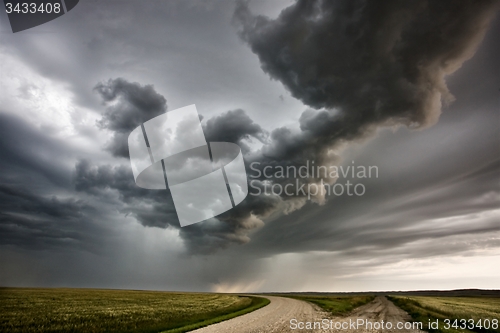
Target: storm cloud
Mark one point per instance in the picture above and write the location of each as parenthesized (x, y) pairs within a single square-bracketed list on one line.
[(363, 65), (128, 105), (373, 63), (359, 66), (234, 126), (339, 83), (29, 217)]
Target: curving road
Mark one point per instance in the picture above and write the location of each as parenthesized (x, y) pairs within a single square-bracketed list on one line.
[(276, 317)]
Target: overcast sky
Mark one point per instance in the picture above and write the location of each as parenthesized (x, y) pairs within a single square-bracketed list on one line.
[(412, 88)]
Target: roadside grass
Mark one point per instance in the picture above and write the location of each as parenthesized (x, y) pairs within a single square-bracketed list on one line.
[(257, 303), (93, 310), (425, 308), (336, 305)]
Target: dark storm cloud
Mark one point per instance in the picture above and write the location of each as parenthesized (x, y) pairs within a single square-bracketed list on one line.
[(28, 154), (29, 168), (436, 197), (449, 199), (156, 208), (38, 222), (374, 62), (128, 104), (233, 126), (365, 65), (150, 208)]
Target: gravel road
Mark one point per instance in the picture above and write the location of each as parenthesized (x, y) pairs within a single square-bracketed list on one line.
[(276, 317), (381, 309)]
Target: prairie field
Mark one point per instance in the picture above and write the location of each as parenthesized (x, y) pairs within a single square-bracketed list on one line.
[(425, 308), (93, 310)]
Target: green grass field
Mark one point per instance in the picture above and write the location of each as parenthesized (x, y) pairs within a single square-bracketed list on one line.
[(92, 310), (425, 308), (336, 305)]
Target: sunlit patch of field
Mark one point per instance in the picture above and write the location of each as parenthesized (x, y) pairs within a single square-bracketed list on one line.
[(425, 308), (91, 310)]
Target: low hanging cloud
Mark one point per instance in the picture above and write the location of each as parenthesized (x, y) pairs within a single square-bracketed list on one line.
[(29, 217), (358, 66), (47, 222), (372, 62), (128, 104), (234, 126)]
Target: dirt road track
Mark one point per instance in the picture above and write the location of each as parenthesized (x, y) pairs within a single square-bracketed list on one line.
[(276, 317), (380, 309)]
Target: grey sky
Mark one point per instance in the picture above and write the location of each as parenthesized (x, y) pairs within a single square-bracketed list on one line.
[(71, 215)]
